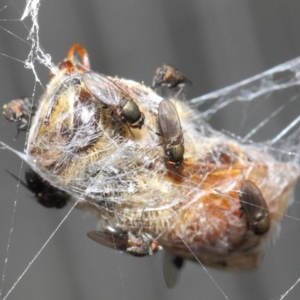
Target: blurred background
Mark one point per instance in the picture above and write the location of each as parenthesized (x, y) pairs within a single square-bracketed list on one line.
[(215, 44)]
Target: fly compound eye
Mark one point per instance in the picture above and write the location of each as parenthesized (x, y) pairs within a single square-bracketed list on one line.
[(170, 129), (255, 208)]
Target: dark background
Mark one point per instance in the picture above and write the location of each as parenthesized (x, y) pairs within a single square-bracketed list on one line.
[(215, 43)]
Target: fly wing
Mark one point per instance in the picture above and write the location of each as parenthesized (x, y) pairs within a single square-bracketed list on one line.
[(255, 208), (112, 240), (18, 179), (187, 81), (172, 265), (251, 198), (102, 88), (169, 122)]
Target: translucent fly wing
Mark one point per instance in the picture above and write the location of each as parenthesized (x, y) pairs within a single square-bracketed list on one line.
[(187, 81), (172, 266), (18, 179), (255, 207), (113, 96), (251, 198), (168, 120), (102, 88), (112, 240), (170, 129)]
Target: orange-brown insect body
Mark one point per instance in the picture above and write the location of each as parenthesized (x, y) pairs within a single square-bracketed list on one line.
[(120, 173)]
